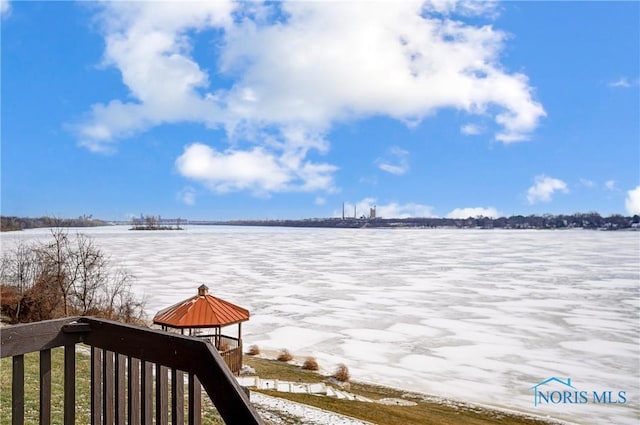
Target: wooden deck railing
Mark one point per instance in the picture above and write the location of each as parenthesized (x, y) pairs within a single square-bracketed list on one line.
[(125, 360)]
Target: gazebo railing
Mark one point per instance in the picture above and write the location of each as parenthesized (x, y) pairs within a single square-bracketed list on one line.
[(137, 374), (226, 343), (233, 359), (230, 349)]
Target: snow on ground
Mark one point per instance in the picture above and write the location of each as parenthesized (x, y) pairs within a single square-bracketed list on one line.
[(278, 411), (475, 315)]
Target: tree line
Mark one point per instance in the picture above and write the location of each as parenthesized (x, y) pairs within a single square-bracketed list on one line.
[(547, 221), (66, 275), (20, 223)]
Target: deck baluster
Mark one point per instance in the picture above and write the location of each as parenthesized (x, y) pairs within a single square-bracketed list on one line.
[(120, 389), (17, 390), (195, 394), (69, 384), (146, 388), (96, 386), (177, 397), (45, 387), (108, 402), (162, 388), (133, 388)]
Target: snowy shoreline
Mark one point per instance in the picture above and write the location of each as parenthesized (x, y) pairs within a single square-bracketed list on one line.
[(270, 354)]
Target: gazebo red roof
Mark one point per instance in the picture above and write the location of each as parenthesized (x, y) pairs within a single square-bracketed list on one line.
[(201, 311)]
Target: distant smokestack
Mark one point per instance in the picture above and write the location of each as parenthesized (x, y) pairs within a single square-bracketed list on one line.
[(343, 210), (355, 212)]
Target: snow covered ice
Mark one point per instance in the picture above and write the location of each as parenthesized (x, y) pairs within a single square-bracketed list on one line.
[(475, 315)]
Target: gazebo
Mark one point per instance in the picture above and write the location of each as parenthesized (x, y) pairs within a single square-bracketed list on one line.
[(204, 315)]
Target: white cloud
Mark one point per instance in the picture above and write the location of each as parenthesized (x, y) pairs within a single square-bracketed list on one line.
[(620, 83), (587, 183), (148, 43), (390, 210), (465, 7), (5, 8), (187, 196), (471, 129), (320, 200), (327, 62), (232, 170), (632, 203), (338, 61), (395, 210), (396, 161), (256, 170), (544, 188), (610, 185), (474, 212)]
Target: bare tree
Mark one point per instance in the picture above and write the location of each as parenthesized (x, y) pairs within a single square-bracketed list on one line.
[(65, 276), (89, 274), (57, 268), (19, 269), (120, 301)]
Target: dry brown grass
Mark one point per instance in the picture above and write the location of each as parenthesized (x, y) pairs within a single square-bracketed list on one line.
[(254, 350), (428, 411), (310, 364), (342, 373), (285, 356)]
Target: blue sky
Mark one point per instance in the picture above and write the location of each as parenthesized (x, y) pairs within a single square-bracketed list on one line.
[(224, 110)]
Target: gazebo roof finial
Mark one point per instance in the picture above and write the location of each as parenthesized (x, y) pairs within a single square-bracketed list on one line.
[(203, 290)]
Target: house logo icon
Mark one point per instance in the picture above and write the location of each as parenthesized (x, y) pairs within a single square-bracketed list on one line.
[(545, 396), (555, 391)]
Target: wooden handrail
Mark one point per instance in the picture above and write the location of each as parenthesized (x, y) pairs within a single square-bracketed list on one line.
[(167, 351)]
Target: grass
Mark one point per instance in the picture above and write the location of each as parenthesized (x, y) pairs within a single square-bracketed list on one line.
[(32, 388), (427, 411), (210, 415)]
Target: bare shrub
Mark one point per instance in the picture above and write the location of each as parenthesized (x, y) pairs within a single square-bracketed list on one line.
[(65, 276), (254, 350), (342, 373), (310, 364), (285, 356)]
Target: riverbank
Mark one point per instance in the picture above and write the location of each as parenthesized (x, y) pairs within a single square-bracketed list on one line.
[(409, 409)]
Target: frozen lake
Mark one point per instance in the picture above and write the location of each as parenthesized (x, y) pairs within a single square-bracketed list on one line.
[(475, 315)]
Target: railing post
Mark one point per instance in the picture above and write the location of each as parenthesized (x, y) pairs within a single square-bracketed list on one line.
[(45, 387), (108, 402), (162, 389), (17, 390), (133, 407), (96, 386), (146, 387), (70, 384), (177, 397), (195, 400), (120, 388)]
